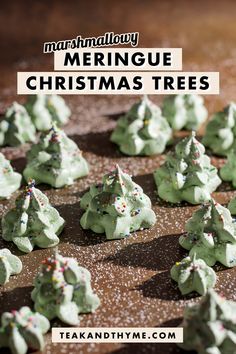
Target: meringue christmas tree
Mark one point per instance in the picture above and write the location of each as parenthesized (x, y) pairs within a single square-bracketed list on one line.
[(228, 171), (187, 174), (117, 207), (16, 127), (220, 135), (193, 274), (33, 221), (209, 326), (63, 290), (232, 206), (9, 179), (55, 160), (142, 130), (46, 109), (23, 330), (211, 235), (9, 265), (184, 111)]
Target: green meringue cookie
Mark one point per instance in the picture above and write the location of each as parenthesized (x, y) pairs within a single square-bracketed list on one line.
[(193, 274), (220, 135), (117, 207), (184, 111), (9, 179), (22, 330), (232, 206), (211, 235), (228, 171), (187, 174), (142, 130), (9, 265), (63, 290), (209, 326), (46, 109), (33, 221), (56, 160), (16, 127)]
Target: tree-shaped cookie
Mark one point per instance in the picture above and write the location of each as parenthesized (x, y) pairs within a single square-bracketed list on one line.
[(116, 207), (9, 265), (187, 174), (46, 109), (142, 130), (33, 221), (193, 274), (16, 128), (209, 326), (184, 111), (228, 171), (232, 207), (9, 179), (211, 235), (55, 160), (23, 330), (220, 135), (63, 290)]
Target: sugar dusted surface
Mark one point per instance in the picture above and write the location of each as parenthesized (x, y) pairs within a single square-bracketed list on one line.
[(131, 276)]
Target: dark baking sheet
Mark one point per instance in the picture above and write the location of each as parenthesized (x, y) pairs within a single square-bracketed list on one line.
[(131, 276)]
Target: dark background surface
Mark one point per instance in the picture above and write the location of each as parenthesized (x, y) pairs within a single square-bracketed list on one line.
[(130, 276), (204, 29)]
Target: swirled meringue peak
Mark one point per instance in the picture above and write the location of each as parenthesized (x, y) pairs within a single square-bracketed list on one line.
[(187, 174), (46, 109), (33, 221), (211, 235), (63, 290), (56, 160), (228, 171), (142, 130), (220, 135), (117, 207), (23, 330), (209, 326), (184, 111), (193, 274), (9, 265), (9, 179), (16, 127)]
